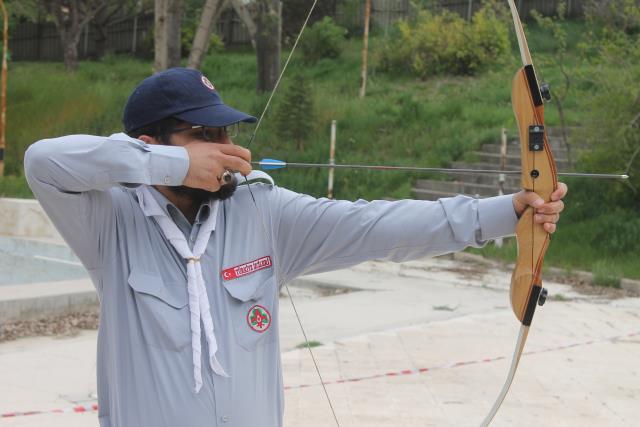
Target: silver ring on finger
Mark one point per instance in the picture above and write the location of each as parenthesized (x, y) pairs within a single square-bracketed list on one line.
[(226, 177)]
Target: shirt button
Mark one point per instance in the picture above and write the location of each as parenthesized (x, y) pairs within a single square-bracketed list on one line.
[(167, 179), (225, 418)]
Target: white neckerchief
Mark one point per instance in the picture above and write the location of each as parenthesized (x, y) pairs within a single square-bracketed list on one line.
[(198, 300)]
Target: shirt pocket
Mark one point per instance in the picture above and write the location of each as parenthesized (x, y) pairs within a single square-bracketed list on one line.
[(253, 307), (162, 310)]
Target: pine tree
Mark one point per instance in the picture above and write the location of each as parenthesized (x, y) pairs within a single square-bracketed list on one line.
[(294, 115)]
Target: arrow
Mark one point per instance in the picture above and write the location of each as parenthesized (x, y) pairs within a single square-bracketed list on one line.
[(272, 164)]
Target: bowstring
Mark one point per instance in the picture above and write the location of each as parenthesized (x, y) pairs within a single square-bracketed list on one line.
[(264, 229)]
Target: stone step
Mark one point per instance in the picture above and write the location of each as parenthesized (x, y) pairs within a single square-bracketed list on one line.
[(552, 133), (459, 187), (513, 148), (488, 157), (513, 159), (556, 132), (422, 194), (511, 181), (483, 165)]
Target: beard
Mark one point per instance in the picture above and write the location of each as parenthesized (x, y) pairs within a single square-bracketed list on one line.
[(200, 196)]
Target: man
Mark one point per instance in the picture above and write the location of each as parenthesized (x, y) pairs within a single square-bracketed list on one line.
[(188, 271)]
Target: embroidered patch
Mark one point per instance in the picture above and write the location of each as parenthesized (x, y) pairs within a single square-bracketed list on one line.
[(259, 318), (207, 83), (246, 268)]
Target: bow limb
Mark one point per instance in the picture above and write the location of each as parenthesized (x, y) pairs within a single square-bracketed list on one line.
[(540, 176)]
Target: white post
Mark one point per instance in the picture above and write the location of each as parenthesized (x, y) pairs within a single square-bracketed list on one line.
[(332, 160), (502, 177)]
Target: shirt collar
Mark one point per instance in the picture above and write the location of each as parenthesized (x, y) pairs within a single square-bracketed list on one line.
[(169, 209)]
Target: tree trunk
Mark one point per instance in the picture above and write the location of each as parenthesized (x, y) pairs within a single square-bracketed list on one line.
[(69, 28), (161, 58), (173, 29), (100, 39), (70, 18), (245, 16), (268, 34), (70, 53), (167, 40), (101, 22), (210, 14)]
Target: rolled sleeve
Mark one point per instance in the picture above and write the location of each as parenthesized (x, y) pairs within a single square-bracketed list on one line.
[(497, 217)]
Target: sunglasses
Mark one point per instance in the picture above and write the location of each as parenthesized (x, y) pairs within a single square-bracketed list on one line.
[(209, 134)]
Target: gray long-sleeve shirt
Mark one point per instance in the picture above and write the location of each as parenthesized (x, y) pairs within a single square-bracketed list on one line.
[(145, 372)]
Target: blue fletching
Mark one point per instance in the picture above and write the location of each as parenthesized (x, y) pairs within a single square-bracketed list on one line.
[(274, 164)]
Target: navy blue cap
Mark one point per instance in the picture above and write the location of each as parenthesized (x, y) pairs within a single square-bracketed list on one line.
[(183, 93)]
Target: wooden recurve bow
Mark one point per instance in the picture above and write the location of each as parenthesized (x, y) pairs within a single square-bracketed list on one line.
[(538, 175)]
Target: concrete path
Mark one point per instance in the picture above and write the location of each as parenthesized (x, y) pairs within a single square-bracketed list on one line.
[(426, 343)]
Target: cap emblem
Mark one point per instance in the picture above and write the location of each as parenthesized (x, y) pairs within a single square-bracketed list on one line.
[(207, 83)]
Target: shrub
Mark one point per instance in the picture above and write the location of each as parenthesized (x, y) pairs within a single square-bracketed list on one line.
[(619, 15), (188, 34), (323, 40), (444, 43)]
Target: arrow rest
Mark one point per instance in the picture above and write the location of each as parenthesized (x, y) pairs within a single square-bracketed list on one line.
[(545, 92)]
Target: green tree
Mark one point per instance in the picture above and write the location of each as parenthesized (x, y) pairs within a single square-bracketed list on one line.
[(294, 115), (323, 40)]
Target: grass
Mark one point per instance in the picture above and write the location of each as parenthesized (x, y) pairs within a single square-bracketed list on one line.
[(402, 121), (312, 344), (569, 253)]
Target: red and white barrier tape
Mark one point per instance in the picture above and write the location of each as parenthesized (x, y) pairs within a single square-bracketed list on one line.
[(459, 364), (94, 406), (77, 409)]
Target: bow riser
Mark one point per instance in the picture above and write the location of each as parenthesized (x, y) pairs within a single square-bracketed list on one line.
[(538, 165), (538, 175), (525, 280)]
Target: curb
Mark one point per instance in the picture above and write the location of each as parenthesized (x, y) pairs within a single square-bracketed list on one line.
[(626, 284), (44, 306)]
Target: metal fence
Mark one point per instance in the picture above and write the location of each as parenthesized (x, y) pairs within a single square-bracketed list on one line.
[(40, 41)]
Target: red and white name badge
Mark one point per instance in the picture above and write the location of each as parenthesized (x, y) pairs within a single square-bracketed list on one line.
[(247, 268)]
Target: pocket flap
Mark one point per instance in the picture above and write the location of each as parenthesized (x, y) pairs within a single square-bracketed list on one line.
[(174, 294), (247, 289)]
